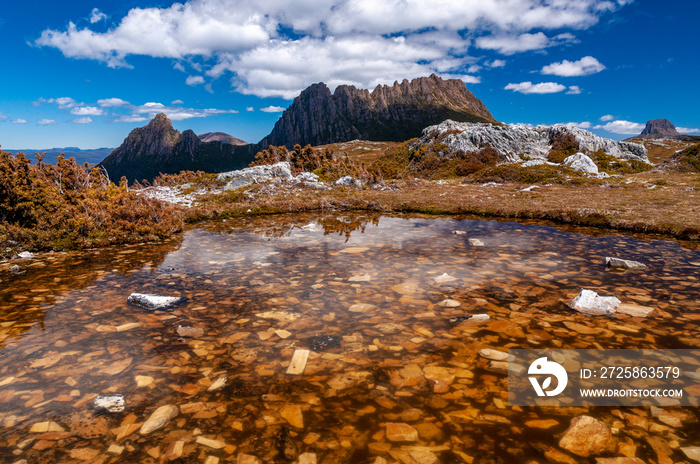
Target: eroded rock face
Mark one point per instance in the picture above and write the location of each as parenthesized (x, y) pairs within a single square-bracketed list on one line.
[(586, 436), (257, 174), (510, 141), (388, 113)]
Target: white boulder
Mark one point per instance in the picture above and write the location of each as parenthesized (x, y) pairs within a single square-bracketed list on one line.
[(582, 163)]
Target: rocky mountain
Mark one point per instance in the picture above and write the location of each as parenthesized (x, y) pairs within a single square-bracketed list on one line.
[(660, 128), (159, 148), (510, 141), (221, 137), (388, 113)]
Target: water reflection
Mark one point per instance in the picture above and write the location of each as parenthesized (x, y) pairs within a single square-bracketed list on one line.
[(261, 288)]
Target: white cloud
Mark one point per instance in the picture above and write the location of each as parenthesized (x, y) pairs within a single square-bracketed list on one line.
[(19, 121), (150, 109), (194, 80), (511, 44), (495, 63), (687, 130), (87, 111), (96, 16), (585, 66), (581, 125), (131, 118), (177, 102), (62, 102), (362, 42), (2, 117), (112, 102), (272, 109), (574, 90), (607, 117), (46, 122), (541, 88), (622, 127), (250, 108), (84, 120)]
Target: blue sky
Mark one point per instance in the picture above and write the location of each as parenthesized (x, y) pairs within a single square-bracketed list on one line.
[(85, 73)]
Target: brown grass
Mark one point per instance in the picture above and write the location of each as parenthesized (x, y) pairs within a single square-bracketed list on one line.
[(667, 208)]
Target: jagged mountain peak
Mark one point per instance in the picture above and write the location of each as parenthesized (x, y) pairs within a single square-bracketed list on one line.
[(387, 113)]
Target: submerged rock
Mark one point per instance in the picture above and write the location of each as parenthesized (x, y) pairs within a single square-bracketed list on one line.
[(109, 403), (153, 302), (476, 242), (590, 303), (324, 342), (191, 332), (617, 263), (474, 318), (16, 270), (586, 436), (159, 418)]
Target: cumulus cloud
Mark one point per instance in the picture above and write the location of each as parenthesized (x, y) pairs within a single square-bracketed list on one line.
[(574, 90), (19, 121), (96, 16), (87, 111), (581, 125), (85, 120), (62, 102), (177, 102), (687, 130), (194, 80), (607, 117), (175, 113), (511, 44), (585, 66), (46, 122), (495, 63), (112, 102), (622, 127), (250, 108), (361, 42), (272, 109), (541, 88)]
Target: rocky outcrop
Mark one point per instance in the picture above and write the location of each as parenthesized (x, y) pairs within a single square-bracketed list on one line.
[(659, 128), (221, 137), (388, 113), (159, 148), (512, 141)]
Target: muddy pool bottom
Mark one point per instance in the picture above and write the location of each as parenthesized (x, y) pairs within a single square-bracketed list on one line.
[(388, 378)]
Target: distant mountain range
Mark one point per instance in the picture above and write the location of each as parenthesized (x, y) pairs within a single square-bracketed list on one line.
[(316, 117), (81, 156)]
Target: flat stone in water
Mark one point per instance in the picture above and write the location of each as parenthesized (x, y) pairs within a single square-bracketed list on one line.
[(617, 263), (109, 403), (590, 303), (324, 342), (471, 318), (153, 302)]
